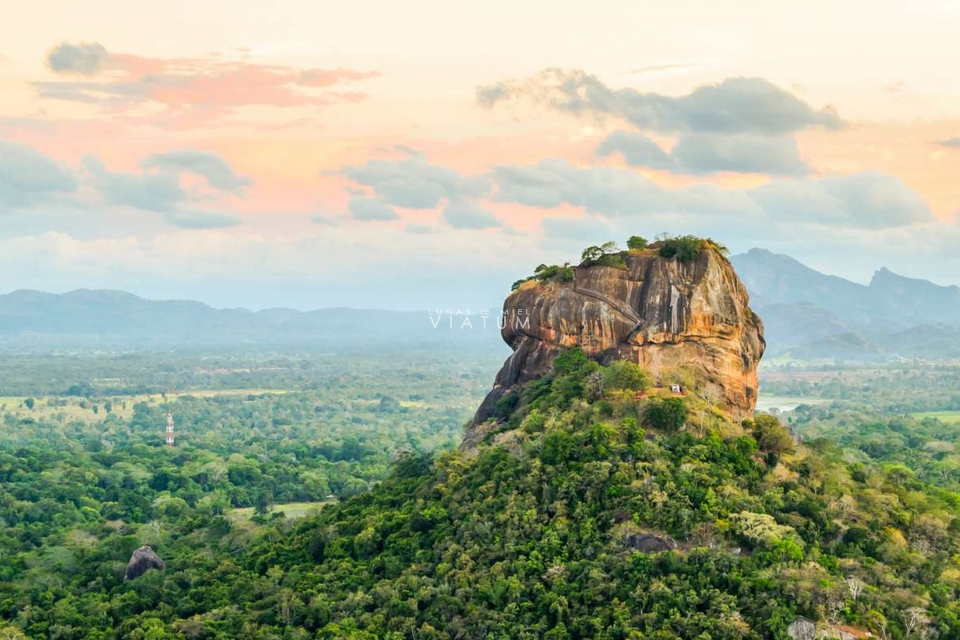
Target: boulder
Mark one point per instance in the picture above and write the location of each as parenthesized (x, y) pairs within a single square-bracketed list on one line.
[(649, 543), (141, 561), (802, 629)]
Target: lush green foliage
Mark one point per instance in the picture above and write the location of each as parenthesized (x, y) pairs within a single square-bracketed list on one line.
[(666, 414), (683, 248), (608, 254), (626, 376), (529, 539), (605, 255), (686, 248), (77, 496), (545, 273), (532, 540)]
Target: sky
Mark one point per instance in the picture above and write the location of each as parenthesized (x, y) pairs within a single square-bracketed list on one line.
[(426, 154)]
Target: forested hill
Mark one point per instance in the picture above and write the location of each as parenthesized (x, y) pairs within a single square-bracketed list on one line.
[(115, 319), (603, 511)]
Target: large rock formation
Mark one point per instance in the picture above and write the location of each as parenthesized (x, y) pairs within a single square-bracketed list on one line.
[(666, 314), (142, 560)]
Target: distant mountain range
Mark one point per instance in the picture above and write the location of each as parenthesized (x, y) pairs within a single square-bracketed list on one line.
[(807, 315), (811, 315), (104, 319)]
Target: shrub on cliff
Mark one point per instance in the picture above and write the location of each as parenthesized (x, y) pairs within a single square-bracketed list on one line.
[(625, 375), (666, 414), (544, 273), (683, 248), (606, 255), (687, 248)]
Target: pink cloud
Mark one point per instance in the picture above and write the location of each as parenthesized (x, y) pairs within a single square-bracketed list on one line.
[(206, 86)]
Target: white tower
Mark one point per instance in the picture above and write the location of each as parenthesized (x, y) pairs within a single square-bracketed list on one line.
[(169, 432)]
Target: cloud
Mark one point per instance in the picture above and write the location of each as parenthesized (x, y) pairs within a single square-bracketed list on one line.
[(893, 87), (215, 169), (29, 178), (952, 143), (195, 89), (151, 191), (201, 219), (701, 153), (362, 208), (637, 149), (415, 183), (869, 200), (421, 229), (742, 152), (736, 105), (465, 215), (83, 58), (158, 186), (862, 200), (324, 220), (584, 230), (664, 68), (607, 191)]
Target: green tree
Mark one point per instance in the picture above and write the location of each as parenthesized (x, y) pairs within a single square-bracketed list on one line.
[(623, 374), (683, 248), (591, 255), (636, 242), (772, 438), (666, 414), (263, 502)]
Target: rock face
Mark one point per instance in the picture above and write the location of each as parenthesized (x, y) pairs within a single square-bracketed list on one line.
[(802, 629), (665, 314), (649, 543), (141, 561)]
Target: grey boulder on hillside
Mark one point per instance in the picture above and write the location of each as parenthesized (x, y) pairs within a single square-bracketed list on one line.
[(141, 561)]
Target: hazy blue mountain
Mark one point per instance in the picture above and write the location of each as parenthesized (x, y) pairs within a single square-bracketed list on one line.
[(115, 319), (779, 279), (809, 314)]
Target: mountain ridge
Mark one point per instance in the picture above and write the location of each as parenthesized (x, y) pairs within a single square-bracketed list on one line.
[(808, 315), (111, 318), (811, 315)]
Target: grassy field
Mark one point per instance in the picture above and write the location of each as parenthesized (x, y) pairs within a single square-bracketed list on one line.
[(65, 409), (949, 417), (290, 509)]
